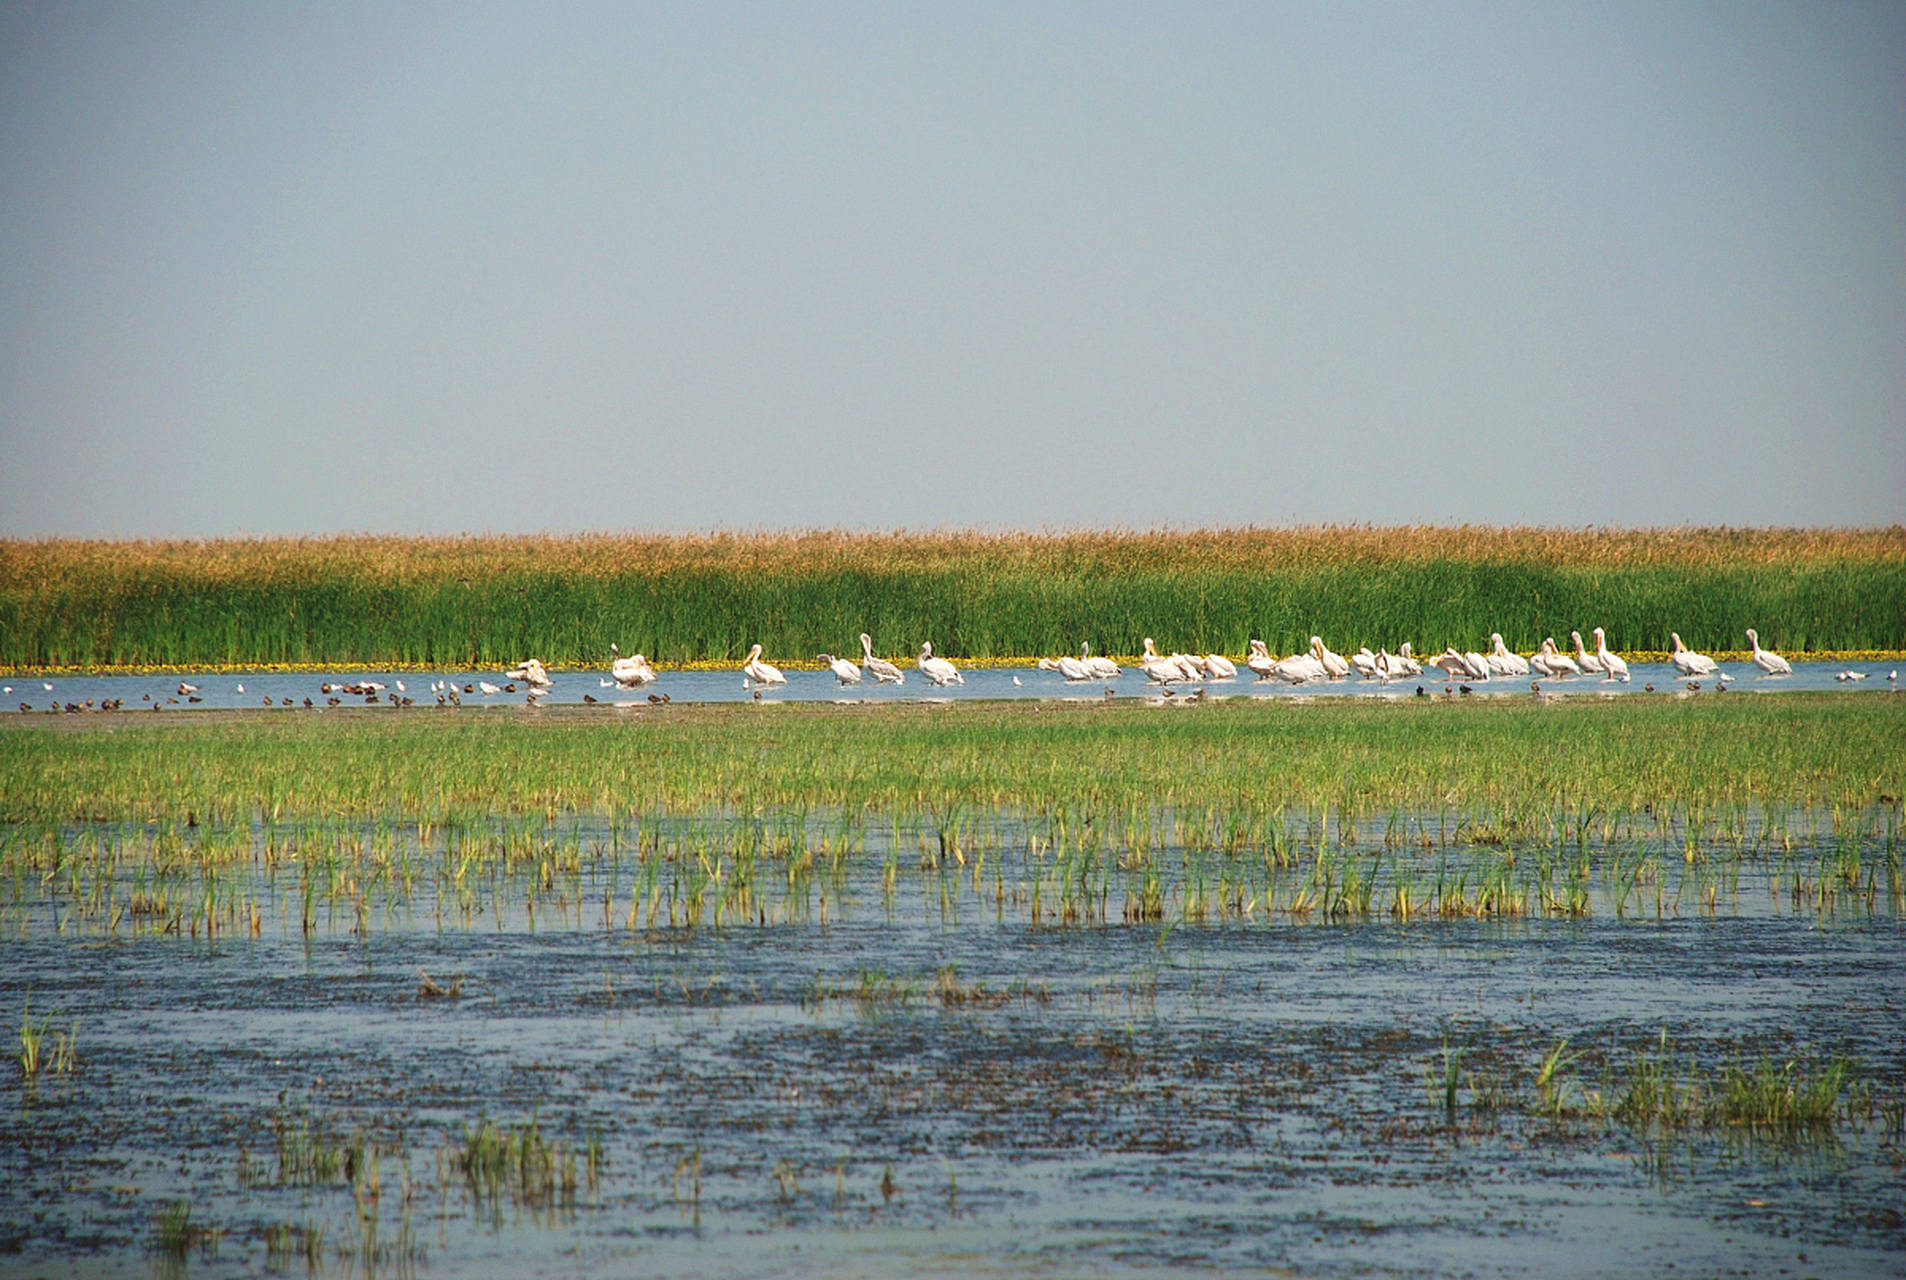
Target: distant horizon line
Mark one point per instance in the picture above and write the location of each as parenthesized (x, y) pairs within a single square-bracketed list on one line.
[(980, 531)]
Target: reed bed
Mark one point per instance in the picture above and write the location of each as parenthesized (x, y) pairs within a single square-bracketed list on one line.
[(688, 600), (762, 815)]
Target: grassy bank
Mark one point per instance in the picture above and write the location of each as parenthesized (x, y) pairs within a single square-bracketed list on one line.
[(480, 601), (1519, 764), (770, 814)]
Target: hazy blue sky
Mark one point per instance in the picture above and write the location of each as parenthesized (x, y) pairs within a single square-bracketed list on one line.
[(272, 268)]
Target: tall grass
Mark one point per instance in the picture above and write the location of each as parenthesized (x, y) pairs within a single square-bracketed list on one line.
[(451, 601), (1503, 768)]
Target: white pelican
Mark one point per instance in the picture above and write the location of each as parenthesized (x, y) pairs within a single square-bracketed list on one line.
[(1160, 668), (1260, 661), (1335, 667), (1191, 664), (531, 671), (1551, 661), (760, 672), (844, 671), (1072, 668), (1772, 663), (1366, 663), (1404, 662), (1219, 667), (1503, 663), (1611, 663), (1451, 663), (938, 670), (1688, 662), (1391, 666), (1301, 667), (1583, 658), (1101, 668), (883, 671), (629, 673)]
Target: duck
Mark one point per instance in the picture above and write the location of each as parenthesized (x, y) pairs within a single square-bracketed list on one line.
[(760, 672), (883, 671), (1503, 663), (1260, 661), (1551, 661), (531, 671), (489, 690), (629, 673), (1585, 660), (1335, 667), (937, 670), (844, 671), (1611, 662), (1688, 662), (1771, 663), (1101, 668)]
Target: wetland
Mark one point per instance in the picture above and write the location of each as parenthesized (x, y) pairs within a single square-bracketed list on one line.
[(1432, 986)]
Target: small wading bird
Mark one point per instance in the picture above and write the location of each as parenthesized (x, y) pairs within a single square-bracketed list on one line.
[(1551, 661), (1772, 663), (760, 672), (883, 671), (844, 671), (1501, 661), (531, 671), (1688, 662), (1844, 676), (629, 673), (938, 671), (1611, 663)]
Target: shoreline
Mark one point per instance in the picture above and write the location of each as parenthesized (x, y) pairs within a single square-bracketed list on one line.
[(789, 664)]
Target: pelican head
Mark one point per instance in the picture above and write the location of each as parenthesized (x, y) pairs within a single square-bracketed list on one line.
[(1151, 650), (1752, 638), (754, 653)]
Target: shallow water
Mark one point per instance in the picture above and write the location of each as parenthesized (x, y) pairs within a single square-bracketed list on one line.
[(814, 1096), (226, 691)]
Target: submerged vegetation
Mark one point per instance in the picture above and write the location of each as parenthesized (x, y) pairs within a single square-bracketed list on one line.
[(481, 601)]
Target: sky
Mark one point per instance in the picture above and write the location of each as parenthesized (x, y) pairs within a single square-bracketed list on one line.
[(333, 268)]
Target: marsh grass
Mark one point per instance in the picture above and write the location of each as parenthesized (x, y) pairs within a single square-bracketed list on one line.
[(481, 601), (1659, 1090), (726, 817)]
